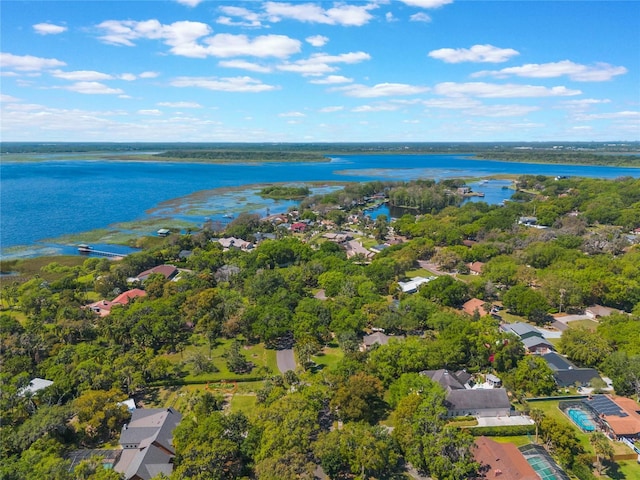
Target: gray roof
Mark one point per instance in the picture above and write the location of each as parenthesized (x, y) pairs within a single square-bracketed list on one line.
[(580, 376), (445, 378), (557, 361), (530, 342), (378, 337), (477, 399), (148, 443), (521, 329)]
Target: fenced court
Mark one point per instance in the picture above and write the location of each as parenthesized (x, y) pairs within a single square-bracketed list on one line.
[(542, 463)]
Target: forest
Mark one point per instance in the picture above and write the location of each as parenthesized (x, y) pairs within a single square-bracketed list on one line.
[(205, 342)]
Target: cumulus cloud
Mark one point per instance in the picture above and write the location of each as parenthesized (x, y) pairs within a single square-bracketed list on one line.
[(622, 115), (93, 88), (229, 84), (248, 18), (49, 29), (426, 3), (382, 90), (180, 104), (190, 3), (501, 110), (317, 40), (321, 63), (149, 75), (150, 112), (598, 72), (420, 17), (381, 107), (292, 115), (331, 80), (339, 14), (245, 65), (477, 53), (28, 63), (331, 109), (494, 90), (191, 39), (8, 98), (82, 75)]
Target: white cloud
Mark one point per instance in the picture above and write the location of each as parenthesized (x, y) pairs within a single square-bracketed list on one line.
[(93, 88), (28, 63), (426, 3), (234, 84), (332, 80), (49, 29), (127, 77), (451, 103), (340, 14), (598, 72), (228, 45), (245, 65), (82, 75), (151, 112), (501, 110), (381, 90), (420, 17), (317, 40), (389, 17), (336, 108), (292, 115), (477, 53), (190, 3), (381, 107), (249, 18), (623, 115), (180, 104), (190, 39), (320, 63), (8, 98), (149, 75), (494, 90)]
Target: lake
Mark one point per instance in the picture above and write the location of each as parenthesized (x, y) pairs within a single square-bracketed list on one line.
[(42, 201)]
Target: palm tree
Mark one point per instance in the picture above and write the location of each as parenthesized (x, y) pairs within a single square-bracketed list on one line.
[(602, 448), (536, 415)]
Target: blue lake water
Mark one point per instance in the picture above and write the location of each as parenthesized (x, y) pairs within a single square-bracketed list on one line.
[(47, 199)]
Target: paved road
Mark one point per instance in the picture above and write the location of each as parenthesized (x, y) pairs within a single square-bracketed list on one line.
[(286, 360)]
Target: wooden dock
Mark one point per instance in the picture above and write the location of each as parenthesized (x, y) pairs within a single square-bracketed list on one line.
[(89, 250)]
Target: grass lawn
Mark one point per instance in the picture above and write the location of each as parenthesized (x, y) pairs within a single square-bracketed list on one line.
[(511, 318), (243, 403), (519, 440), (260, 356), (589, 324), (421, 272), (329, 357)]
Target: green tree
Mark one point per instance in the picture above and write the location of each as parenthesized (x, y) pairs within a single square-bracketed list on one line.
[(532, 376), (360, 399), (584, 346), (602, 447)]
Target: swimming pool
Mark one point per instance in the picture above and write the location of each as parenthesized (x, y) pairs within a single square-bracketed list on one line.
[(581, 419)]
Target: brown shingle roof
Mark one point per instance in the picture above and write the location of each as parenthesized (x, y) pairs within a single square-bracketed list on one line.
[(502, 461)]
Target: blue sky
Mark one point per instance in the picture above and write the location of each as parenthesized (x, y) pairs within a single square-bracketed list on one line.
[(298, 71)]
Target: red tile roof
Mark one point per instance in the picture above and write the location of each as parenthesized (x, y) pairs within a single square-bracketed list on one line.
[(124, 297), (473, 304)]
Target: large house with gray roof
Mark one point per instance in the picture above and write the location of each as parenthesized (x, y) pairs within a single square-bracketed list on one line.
[(147, 443)]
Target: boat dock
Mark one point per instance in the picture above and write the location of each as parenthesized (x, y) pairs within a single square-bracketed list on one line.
[(89, 250)]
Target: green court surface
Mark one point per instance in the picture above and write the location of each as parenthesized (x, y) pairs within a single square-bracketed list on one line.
[(542, 468)]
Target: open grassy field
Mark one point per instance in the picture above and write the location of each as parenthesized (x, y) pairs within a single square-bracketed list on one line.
[(589, 324)]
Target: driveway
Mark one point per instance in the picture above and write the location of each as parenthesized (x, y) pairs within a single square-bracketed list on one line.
[(286, 360)]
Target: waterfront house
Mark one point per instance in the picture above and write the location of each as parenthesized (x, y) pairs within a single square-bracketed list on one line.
[(167, 271), (103, 307)]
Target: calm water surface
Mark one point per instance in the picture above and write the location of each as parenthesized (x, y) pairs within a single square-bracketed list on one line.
[(47, 199)]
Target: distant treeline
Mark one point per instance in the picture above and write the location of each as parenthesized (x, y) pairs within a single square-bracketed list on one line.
[(284, 193), (243, 156), (572, 157)]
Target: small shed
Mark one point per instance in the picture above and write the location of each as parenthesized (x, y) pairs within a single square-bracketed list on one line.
[(163, 232)]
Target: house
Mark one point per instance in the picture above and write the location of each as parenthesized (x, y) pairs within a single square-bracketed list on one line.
[(475, 305), (618, 416), (147, 444), (596, 311), (475, 268), (490, 402), (35, 386), (298, 227), (232, 242), (379, 338), (528, 221), (501, 461), (167, 271), (447, 379), (414, 284), (103, 307), (163, 232), (530, 337), (566, 374)]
